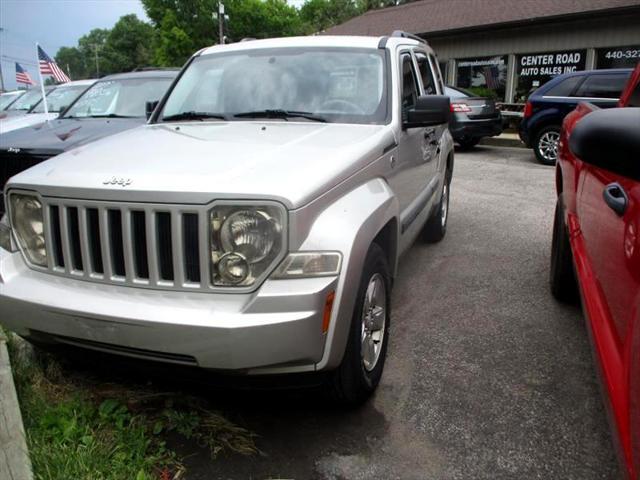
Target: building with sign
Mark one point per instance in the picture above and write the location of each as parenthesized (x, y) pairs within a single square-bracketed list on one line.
[(507, 48)]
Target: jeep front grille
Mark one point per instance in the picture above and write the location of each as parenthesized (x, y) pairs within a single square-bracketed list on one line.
[(155, 246)]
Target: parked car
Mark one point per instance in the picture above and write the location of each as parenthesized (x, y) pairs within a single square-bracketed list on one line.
[(472, 117), (596, 247), (7, 98), (24, 103), (547, 106), (113, 104), (57, 101), (253, 225)]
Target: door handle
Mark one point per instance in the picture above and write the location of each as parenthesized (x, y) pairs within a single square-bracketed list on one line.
[(615, 196)]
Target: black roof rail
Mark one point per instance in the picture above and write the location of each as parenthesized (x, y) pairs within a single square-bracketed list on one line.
[(402, 34), (382, 44)]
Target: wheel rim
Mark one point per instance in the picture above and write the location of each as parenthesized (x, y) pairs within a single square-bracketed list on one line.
[(548, 146), (374, 319), (444, 210)]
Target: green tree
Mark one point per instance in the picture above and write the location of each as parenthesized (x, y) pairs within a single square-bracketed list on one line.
[(318, 15), (184, 26), (129, 44), (71, 60)]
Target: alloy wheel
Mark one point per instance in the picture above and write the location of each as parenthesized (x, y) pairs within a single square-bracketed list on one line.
[(374, 319)]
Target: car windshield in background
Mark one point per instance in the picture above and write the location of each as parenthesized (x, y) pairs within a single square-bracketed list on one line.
[(28, 100), (60, 97), (119, 98), (302, 84), (6, 99)]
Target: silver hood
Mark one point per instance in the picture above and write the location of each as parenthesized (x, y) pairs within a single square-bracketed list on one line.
[(292, 162)]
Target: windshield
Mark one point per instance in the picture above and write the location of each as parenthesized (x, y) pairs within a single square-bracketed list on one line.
[(335, 85), (60, 97), (28, 100), (7, 98), (119, 98)]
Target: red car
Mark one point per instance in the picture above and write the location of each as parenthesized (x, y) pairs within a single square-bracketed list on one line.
[(596, 249)]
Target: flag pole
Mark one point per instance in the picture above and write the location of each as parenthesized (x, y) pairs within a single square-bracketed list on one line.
[(44, 97)]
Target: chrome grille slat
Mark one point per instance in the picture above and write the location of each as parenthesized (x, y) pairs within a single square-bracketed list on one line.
[(105, 244), (130, 273), (177, 247), (152, 246), (48, 238), (84, 242), (203, 237), (64, 233)]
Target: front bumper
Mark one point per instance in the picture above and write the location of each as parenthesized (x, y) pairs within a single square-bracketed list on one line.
[(466, 128), (277, 329)]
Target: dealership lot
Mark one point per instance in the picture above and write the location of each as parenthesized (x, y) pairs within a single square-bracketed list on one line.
[(487, 377)]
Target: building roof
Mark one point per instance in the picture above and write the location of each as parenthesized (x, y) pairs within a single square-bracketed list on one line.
[(436, 16)]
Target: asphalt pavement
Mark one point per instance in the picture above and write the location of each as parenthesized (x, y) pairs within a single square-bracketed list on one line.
[(487, 377)]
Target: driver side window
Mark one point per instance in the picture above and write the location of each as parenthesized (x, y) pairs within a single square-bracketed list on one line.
[(409, 83)]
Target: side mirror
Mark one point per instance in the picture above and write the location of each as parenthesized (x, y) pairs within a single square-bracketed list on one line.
[(149, 107), (430, 110), (62, 109), (609, 139)]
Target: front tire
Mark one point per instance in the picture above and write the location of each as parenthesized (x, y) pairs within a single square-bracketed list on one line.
[(359, 373), (562, 277), (545, 145), (436, 227)]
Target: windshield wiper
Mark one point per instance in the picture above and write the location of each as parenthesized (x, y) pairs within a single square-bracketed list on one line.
[(191, 115), (108, 115), (277, 113)]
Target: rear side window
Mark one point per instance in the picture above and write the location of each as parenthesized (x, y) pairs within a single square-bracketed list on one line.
[(409, 83), (566, 87), (426, 74), (603, 86)]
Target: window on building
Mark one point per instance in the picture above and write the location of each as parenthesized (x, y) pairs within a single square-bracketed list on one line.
[(428, 81), (566, 87), (535, 69), (603, 86), (618, 57), (485, 77), (409, 83)]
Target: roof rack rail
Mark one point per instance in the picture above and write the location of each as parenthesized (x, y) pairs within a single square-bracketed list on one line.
[(402, 34), (248, 39)]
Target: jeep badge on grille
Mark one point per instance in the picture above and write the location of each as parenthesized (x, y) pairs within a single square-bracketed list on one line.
[(117, 181)]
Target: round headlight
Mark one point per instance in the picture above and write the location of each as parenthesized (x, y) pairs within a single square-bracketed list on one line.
[(233, 268), (28, 226), (251, 233)]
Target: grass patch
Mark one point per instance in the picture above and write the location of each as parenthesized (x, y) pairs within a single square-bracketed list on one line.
[(80, 428)]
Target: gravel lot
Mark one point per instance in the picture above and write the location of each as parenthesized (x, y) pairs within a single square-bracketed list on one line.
[(487, 378)]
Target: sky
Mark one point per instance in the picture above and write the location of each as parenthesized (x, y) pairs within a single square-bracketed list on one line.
[(54, 24)]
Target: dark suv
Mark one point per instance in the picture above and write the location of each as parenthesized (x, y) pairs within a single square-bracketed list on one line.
[(548, 105)]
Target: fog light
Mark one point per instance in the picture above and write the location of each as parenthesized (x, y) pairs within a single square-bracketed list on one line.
[(233, 268)]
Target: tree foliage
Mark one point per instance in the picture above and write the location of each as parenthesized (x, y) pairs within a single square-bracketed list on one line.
[(179, 28), (126, 46)]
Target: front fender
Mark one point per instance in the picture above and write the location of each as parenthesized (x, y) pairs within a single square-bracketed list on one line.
[(349, 225)]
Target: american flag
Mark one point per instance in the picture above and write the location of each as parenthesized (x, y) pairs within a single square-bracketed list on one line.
[(22, 76), (49, 67)]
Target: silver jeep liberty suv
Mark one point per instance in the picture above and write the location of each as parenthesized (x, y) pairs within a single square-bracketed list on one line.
[(253, 225)]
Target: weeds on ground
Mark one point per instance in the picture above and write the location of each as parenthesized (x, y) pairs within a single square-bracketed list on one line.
[(78, 428)]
